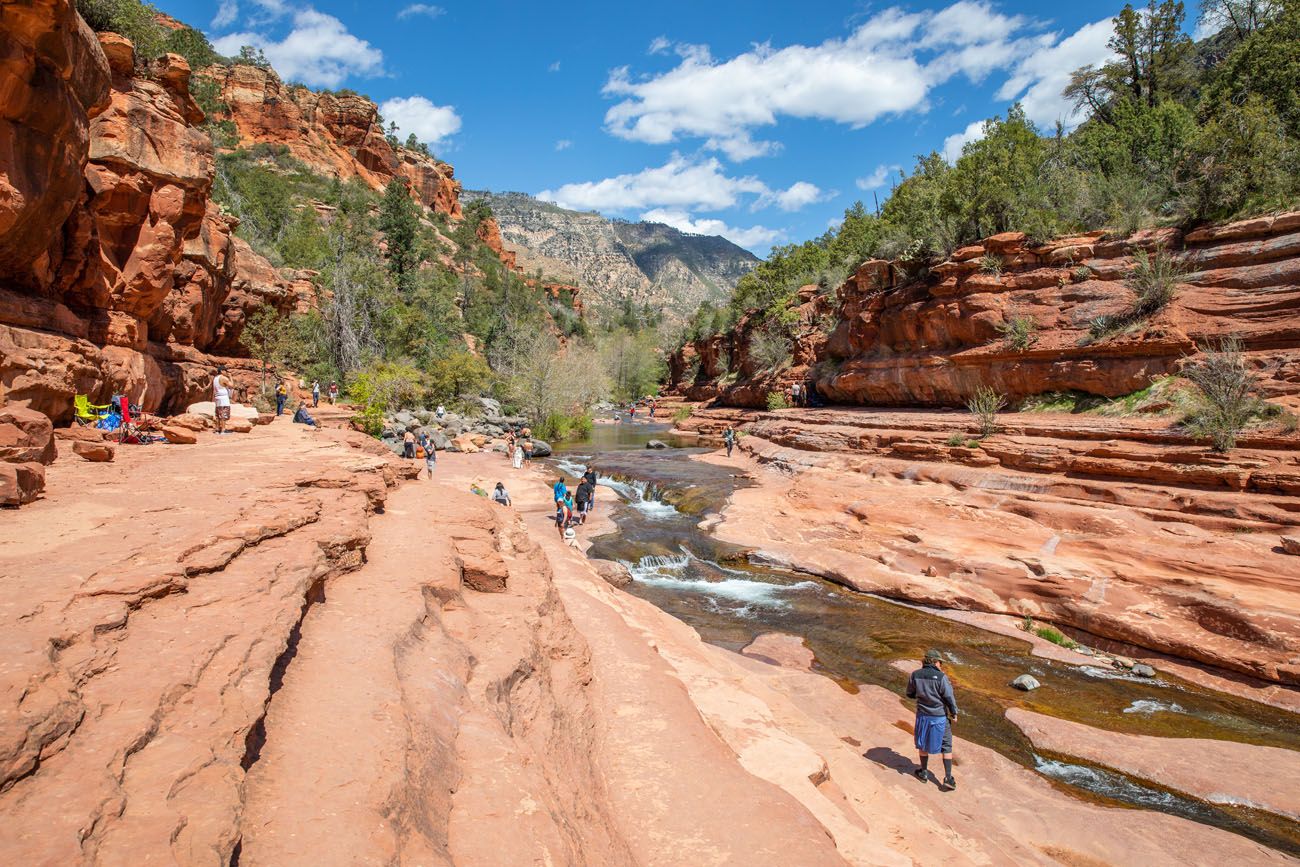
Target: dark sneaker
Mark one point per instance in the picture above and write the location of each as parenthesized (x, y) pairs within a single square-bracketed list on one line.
[(921, 774), (949, 782)]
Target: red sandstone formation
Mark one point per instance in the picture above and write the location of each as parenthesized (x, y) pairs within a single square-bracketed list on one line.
[(137, 280), (931, 341), (335, 135)]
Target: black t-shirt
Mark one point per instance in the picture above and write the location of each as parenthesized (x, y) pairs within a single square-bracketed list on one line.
[(590, 476), (583, 494)]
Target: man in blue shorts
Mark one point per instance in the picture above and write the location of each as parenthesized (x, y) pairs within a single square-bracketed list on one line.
[(935, 707)]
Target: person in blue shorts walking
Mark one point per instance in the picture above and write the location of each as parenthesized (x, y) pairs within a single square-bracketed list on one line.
[(936, 706)]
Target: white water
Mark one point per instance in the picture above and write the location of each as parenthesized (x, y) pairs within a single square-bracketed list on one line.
[(667, 572), (1150, 705)]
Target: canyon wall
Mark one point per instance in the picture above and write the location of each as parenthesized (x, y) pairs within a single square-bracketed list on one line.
[(120, 273), (889, 339)]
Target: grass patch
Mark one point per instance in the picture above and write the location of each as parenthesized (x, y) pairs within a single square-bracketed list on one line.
[(683, 413), (1020, 332), (1048, 633), (1154, 283), (776, 400), (956, 440), (991, 265)]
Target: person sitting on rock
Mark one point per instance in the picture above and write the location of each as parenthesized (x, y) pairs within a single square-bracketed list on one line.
[(301, 416), (935, 706), (500, 495)]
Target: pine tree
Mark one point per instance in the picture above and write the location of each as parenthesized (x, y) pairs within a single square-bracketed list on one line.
[(399, 221)]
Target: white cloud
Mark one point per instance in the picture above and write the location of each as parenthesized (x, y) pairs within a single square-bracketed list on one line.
[(800, 194), (414, 114), (554, 67), (659, 45), (877, 178), (227, 14), (318, 51), (752, 237), (678, 183), (886, 66), (1038, 79), (424, 9), (563, 144), (953, 144)]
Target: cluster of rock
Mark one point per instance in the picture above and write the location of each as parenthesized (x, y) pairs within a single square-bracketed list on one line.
[(456, 432), (903, 339)]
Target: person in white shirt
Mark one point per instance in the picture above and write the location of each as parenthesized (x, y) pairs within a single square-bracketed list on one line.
[(441, 411), (221, 398)]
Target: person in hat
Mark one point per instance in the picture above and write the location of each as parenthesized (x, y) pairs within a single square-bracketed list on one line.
[(936, 706)]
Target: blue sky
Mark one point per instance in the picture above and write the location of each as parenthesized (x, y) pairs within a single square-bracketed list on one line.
[(761, 122)]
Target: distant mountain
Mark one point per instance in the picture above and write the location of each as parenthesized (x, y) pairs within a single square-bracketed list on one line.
[(614, 259)]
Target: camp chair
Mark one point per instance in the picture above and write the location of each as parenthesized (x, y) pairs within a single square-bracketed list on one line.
[(87, 412)]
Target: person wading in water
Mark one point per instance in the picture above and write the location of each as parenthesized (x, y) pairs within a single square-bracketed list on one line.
[(936, 706)]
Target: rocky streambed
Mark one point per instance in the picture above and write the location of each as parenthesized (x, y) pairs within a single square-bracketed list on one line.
[(732, 596)]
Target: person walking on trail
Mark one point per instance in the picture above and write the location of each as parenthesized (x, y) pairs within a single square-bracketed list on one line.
[(510, 444), (936, 707), (281, 395), (334, 392), (517, 459), (562, 516), (315, 393), (559, 489), (729, 440), (221, 399), (430, 459), (408, 444), (500, 495), (796, 394), (590, 478), (528, 449), (582, 500)]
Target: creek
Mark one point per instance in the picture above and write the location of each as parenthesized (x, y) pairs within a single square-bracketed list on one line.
[(659, 498)]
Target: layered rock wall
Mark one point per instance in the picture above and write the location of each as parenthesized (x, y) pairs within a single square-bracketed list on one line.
[(933, 340), (122, 275)]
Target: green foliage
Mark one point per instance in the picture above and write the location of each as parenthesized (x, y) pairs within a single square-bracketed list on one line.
[(1265, 64), (990, 264), (1154, 281), (1020, 332), (770, 348), (1241, 162), (631, 361), (956, 440), (1228, 400), (984, 404), (385, 386), (1054, 635), (455, 373), (193, 46), (558, 427), (267, 336), (399, 221), (777, 400), (131, 19), (682, 413)]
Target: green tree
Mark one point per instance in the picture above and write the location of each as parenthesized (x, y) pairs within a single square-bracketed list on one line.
[(266, 336), (400, 222), (1266, 65), (130, 18), (455, 373)]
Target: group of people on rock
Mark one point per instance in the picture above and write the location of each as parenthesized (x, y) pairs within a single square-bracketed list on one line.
[(804, 394), (572, 507), (519, 447), (315, 393)]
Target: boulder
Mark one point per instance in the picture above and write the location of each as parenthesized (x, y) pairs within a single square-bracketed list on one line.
[(190, 421), (481, 567), (239, 424), (614, 573), (656, 444), (490, 405), (1026, 682), (26, 436), (178, 435), (21, 483), (1123, 662), (1142, 670), (465, 443), (262, 418), (541, 449), (1291, 545), (99, 452)]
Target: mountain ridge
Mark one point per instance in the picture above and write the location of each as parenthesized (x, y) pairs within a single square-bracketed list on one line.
[(614, 259)]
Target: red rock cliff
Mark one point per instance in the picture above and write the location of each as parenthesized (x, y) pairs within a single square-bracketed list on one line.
[(120, 274), (931, 341)]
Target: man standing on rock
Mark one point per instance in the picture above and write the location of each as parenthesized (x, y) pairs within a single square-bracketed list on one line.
[(729, 440), (315, 393), (221, 399), (935, 706)]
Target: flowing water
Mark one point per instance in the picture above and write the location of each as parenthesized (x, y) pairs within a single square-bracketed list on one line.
[(660, 496)]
